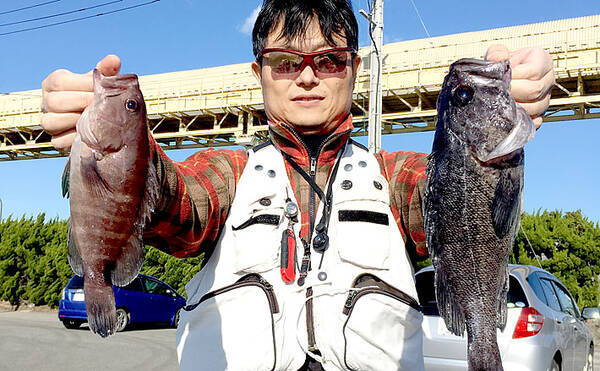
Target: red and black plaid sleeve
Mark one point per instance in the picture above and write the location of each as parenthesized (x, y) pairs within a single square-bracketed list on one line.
[(405, 171), (194, 199)]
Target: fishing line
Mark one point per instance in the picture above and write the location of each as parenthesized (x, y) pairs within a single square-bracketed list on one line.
[(29, 7), (531, 247), (420, 19), (80, 19), (60, 14)]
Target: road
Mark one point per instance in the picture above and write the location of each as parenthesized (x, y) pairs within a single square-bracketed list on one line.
[(38, 341)]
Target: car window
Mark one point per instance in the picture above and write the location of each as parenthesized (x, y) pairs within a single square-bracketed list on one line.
[(552, 299), (135, 285), (155, 287), (75, 283), (515, 292), (566, 302), (536, 286)]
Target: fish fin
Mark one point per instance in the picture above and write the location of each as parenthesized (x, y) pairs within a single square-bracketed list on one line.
[(100, 308), (128, 265), (450, 310), (506, 206), (430, 206), (151, 194), (97, 184), (73, 254), (65, 179), (502, 298)]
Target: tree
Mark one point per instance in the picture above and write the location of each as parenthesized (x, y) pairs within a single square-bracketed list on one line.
[(568, 246)]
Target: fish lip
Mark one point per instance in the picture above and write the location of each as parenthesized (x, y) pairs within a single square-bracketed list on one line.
[(487, 69)]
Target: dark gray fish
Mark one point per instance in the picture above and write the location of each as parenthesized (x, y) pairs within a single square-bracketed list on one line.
[(112, 191), (472, 201)]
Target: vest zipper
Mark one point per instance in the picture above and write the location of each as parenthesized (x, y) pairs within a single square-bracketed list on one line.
[(374, 285), (310, 321), (252, 279)]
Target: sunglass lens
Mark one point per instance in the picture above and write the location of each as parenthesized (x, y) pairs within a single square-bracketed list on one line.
[(284, 63), (331, 62)]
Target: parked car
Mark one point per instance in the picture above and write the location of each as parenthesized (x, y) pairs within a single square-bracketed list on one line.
[(544, 328), (145, 300)]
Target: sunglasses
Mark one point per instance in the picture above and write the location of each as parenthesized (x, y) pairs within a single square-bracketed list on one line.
[(288, 63)]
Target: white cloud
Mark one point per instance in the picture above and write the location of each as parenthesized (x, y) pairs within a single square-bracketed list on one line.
[(246, 28)]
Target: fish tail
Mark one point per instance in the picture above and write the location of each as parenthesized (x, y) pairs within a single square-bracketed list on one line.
[(484, 356), (100, 307)]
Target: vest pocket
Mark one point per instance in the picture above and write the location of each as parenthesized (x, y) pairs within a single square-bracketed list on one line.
[(232, 328), (257, 239), (382, 330), (362, 233)]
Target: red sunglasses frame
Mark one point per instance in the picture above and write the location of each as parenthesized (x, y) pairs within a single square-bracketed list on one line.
[(307, 58)]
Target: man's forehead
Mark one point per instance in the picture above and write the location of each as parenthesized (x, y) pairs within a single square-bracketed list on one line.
[(311, 40)]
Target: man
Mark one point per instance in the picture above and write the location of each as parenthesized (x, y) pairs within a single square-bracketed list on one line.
[(308, 237)]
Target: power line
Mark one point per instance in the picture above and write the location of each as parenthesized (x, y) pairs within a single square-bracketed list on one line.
[(60, 14), (29, 7), (79, 19)]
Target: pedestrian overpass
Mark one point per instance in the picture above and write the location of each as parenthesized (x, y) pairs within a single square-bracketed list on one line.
[(223, 106)]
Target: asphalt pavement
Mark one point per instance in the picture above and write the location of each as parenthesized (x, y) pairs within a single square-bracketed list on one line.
[(39, 341)]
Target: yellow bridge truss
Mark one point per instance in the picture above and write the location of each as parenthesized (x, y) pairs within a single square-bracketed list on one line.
[(223, 105)]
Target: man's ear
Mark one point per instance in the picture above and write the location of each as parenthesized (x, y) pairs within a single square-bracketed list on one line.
[(257, 71), (355, 65)]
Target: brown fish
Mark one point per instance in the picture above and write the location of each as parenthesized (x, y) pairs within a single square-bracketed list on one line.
[(112, 192)]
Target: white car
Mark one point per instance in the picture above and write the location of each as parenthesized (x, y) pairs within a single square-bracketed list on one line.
[(544, 329)]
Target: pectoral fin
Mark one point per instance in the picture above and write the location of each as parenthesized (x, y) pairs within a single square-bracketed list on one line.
[(506, 206), (65, 179)]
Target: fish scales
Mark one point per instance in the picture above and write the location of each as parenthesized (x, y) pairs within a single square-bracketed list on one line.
[(112, 190), (472, 201)]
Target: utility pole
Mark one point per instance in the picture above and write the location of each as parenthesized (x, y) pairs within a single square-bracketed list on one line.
[(376, 60)]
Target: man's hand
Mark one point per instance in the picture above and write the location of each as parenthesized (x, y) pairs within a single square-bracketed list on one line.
[(532, 77), (64, 97)]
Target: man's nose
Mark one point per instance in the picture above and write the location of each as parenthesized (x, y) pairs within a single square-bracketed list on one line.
[(308, 76)]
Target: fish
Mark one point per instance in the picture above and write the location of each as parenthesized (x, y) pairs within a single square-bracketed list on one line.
[(112, 189), (472, 201)]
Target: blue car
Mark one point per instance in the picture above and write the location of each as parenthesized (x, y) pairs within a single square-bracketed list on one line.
[(145, 300)]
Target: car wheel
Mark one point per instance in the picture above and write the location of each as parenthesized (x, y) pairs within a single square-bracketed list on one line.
[(589, 362), (176, 318), (122, 319), (554, 366), (71, 324)]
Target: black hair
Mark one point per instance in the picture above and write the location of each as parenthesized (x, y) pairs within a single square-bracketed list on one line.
[(335, 18)]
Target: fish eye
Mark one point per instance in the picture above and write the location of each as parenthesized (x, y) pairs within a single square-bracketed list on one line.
[(131, 104), (462, 95)]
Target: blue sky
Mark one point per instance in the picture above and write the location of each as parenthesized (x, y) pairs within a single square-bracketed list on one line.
[(561, 171)]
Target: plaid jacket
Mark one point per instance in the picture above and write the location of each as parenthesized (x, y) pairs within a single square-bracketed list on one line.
[(196, 194)]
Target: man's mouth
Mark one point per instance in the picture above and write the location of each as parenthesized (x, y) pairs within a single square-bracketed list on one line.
[(308, 98)]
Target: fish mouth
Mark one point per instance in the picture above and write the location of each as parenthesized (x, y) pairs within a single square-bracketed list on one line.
[(111, 86), (483, 71)]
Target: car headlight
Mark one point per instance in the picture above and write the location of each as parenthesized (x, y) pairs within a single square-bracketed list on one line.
[(63, 294)]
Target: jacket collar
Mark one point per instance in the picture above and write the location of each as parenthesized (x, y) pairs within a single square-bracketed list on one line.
[(289, 141)]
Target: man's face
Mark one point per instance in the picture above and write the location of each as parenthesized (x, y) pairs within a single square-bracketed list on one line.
[(311, 102)]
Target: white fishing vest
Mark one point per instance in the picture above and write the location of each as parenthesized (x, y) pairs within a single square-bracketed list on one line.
[(241, 315)]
